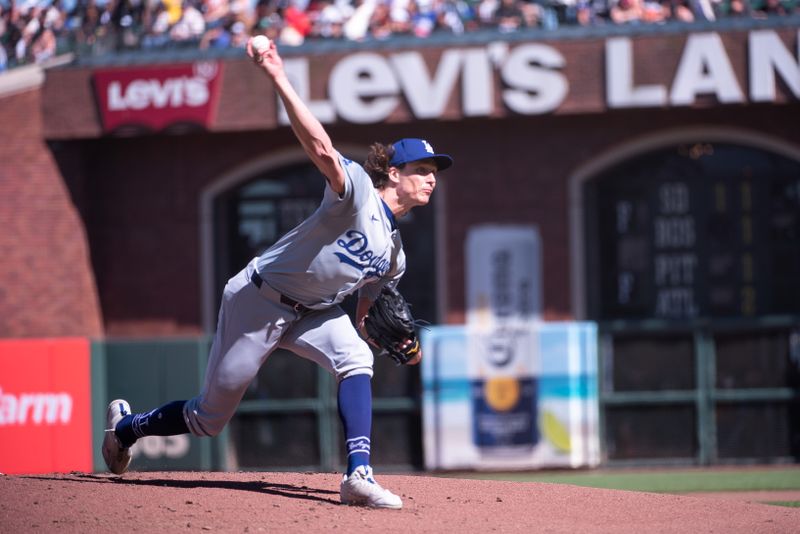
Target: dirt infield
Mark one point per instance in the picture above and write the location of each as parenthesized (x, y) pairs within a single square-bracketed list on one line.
[(309, 503)]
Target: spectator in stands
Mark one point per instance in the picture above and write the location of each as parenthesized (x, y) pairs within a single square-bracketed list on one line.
[(422, 17), (191, 26), (357, 26), (33, 30), (297, 24), (157, 25), (770, 8), (653, 11), (127, 19), (15, 23), (28, 25), (329, 21), (738, 8), (55, 17), (380, 23), (4, 34), (508, 16), (217, 37), (449, 15), (593, 12), (239, 34), (486, 10), (401, 13), (215, 13), (700, 10), (89, 22), (627, 12), (680, 10), (531, 14), (267, 20), (467, 13), (174, 10), (43, 39)]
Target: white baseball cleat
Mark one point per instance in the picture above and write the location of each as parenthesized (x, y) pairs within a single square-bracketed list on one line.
[(360, 488), (117, 457)]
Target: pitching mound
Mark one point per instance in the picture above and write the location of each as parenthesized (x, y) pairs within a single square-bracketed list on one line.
[(309, 503)]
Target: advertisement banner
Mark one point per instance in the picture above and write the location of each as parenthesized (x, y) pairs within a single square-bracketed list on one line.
[(157, 97), (45, 406), (553, 424), (503, 305), (507, 390), (503, 276)]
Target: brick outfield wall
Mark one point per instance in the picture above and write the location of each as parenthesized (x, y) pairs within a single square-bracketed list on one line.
[(135, 200), (141, 196), (47, 286)]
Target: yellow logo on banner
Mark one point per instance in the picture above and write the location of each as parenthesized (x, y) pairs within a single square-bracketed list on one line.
[(501, 393), (555, 431)]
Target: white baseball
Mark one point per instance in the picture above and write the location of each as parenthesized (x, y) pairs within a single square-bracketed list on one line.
[(260, 43)]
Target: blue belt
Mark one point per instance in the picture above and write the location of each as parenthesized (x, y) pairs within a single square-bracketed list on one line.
[(293, 304)]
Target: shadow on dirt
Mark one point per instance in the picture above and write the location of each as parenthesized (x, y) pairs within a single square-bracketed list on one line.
[(283, 490)]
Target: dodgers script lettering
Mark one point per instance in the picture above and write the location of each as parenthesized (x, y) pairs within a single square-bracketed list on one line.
[(360, 256)]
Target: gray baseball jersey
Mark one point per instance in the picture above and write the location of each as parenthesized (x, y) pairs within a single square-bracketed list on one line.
[(345, 245), (348, 244)]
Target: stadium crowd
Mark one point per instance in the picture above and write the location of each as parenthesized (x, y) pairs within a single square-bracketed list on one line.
[(32, 31)]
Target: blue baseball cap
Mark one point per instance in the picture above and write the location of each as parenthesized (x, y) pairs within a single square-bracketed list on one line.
[(411, 149)]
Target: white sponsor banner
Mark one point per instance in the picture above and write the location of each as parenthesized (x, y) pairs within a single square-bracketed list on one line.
[(503, 306), (563, 414), (503, 275), (525, 395)]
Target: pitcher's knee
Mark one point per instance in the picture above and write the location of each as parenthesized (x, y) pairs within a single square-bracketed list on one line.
[(357, 363), (202, 423), (353, 372)]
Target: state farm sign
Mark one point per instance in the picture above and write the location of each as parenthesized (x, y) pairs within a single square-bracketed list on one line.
[(155, 98), (45, 406), (35, 408)]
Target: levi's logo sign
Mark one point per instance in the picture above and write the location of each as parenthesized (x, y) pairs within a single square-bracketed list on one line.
[(155, 98), (172, 93)]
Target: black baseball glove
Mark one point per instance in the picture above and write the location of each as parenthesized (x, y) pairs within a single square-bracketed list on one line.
[(389, 324)]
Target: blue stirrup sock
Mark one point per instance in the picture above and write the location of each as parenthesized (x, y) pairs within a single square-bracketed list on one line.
[(355, 411), (164, 421)]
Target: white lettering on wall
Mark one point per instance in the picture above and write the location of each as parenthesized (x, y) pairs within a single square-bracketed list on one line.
[(477, 84), (427, 97), (620, 89), (674, 232), (535, 87), (767, 54), (363, 88), (675, 269), (366, 87), (673, 198), (36, 408), (674, 228), (704, 68), (676, 303), (162, 446)]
